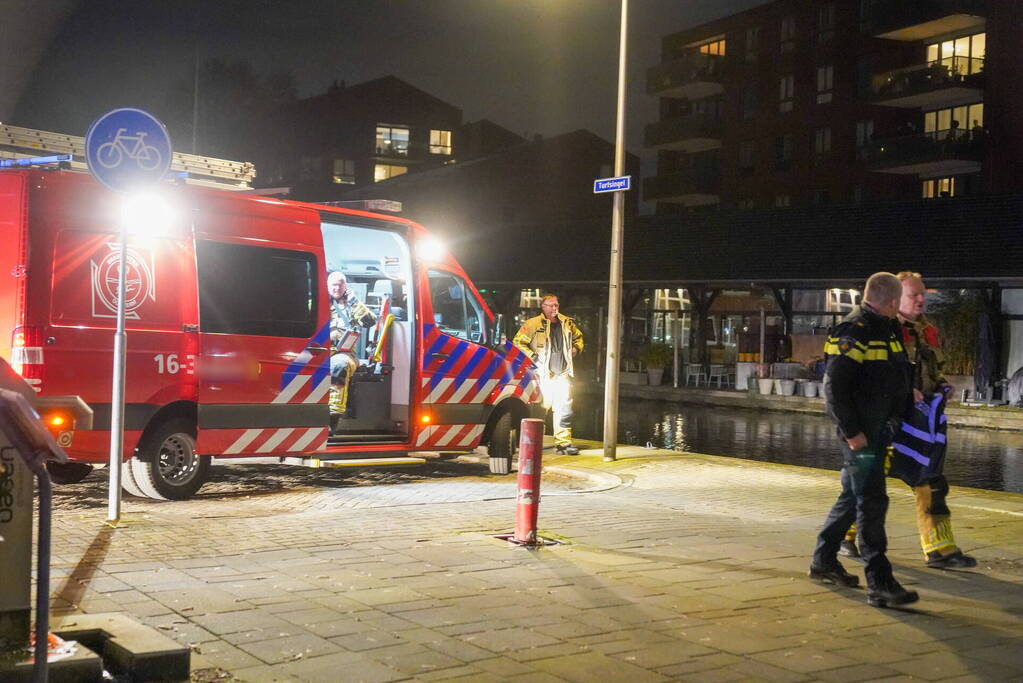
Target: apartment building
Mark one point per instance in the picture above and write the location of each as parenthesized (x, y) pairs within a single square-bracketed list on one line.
[(355, 135), (799, 102)]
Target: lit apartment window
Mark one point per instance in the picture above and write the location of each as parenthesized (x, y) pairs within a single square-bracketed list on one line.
[(825, 82), (825, 22), (716, 47), (344, 171), (956, 122), (864, 136), (385, 171), (530, 298), (786, 87), (939, 187), (788, 34), (782, 200), (783, 152), (749, 102), (822, 142), (961, 56), (440, 142), (392, 140), (752, 43), (747, 153)]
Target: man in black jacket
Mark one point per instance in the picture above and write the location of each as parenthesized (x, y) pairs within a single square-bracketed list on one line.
[(867, 384)]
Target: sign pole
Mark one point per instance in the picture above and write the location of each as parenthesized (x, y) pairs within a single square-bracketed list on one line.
[(117, 393), (126, 150), (614, 293)]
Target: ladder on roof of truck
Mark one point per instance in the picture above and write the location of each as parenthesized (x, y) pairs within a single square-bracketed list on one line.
[(23, 143)]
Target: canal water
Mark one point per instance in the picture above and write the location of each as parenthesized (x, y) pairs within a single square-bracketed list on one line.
[(979, 458)]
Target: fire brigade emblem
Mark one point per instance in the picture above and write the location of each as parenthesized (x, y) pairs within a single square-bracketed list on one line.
[(139, 284)]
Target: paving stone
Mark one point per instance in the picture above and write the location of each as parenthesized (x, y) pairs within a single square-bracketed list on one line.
[(511, 639), (289, 648), (459, 649), (359, 671), (366, 640), (677, 576), (665, 654), (588, 667), (803, 659)]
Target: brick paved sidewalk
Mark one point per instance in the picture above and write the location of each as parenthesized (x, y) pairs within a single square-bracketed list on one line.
[(693, 569)]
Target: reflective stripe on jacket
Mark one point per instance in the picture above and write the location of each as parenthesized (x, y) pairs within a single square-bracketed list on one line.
[(533, 338), (867, 381)]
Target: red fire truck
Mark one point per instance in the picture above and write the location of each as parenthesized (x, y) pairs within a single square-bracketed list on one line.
[(228, 317)]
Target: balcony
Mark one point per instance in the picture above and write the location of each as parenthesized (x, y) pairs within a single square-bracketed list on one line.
[(935, 85), (941, 154), (689, 133), (919, 20), (694, 75), (690, 188)]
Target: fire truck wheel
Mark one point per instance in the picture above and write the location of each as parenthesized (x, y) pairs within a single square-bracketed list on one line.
[(68, 472), (502, 443), (167, 466), (128, 482)]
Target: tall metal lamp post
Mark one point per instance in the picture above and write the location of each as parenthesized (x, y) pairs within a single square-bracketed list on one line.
[(614, 294)]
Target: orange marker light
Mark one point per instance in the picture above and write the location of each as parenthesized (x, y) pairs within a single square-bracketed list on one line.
[(425, 419), (57, 421)]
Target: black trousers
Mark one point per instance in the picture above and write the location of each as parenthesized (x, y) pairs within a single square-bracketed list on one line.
[(864, 499)]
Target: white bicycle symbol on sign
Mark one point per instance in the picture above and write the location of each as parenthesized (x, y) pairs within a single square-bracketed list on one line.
[(110, 154)]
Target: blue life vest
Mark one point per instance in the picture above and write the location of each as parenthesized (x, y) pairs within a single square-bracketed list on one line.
[(918, 446)]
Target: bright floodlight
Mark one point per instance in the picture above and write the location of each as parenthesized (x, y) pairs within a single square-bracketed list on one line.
[(430, 249), (146, 212)]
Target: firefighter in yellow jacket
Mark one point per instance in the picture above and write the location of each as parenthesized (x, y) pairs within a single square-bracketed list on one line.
[(552, 340)]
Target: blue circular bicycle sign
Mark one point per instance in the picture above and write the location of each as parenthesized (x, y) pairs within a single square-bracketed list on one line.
[(127, 148)]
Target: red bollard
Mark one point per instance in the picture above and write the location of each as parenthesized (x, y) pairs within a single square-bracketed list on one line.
[(530, 461)]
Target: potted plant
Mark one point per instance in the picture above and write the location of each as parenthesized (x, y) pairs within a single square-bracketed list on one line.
[(656, 357)]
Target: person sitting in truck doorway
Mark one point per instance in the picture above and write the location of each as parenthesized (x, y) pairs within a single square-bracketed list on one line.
[(346, 314)]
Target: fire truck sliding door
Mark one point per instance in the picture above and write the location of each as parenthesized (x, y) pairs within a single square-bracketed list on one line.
[(264, 370)]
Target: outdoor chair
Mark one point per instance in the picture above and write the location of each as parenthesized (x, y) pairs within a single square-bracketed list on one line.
[(695, 371)]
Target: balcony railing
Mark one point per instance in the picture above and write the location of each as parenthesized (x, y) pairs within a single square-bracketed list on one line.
[(690, 187), (916, 20), (945, 151), (687, 133), (693, 75), (943, 82)]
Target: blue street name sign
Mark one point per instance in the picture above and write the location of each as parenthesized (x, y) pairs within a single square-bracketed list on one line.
[(619, 184), (127, 149)]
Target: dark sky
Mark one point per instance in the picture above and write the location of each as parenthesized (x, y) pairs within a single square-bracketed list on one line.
[(533, 66)]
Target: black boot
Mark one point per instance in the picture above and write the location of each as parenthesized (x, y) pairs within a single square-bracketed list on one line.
[(890, 594), (957, 560), (835, 574)]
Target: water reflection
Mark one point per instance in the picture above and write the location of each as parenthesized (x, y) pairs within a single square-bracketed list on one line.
[(977, 457)]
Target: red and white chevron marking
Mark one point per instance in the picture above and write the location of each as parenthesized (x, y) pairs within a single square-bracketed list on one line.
[(282, 440), (479, 391), (287, 439), (449, 436)]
